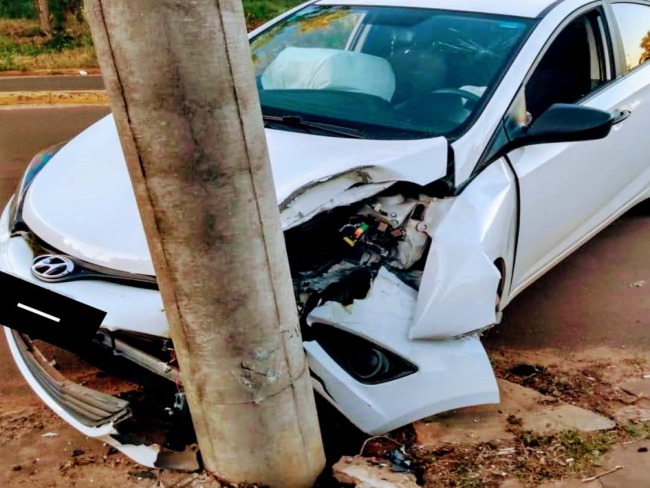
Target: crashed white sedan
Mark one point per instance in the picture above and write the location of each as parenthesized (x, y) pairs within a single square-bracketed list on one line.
[(432, 159)]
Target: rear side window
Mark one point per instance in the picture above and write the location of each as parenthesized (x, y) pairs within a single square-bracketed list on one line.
[(634, 23)]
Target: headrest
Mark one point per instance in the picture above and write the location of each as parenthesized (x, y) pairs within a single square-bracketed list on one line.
[(330, 69)]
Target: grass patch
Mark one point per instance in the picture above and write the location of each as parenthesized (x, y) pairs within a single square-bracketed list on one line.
[(533, 459), (639, 431), (23, 46)]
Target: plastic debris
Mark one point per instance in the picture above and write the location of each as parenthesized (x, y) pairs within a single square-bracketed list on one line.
[(399, 463)]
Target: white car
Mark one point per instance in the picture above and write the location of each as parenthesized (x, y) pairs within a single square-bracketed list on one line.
[(432, 159)]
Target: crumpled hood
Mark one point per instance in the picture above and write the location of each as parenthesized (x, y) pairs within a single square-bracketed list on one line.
[(82, 202)]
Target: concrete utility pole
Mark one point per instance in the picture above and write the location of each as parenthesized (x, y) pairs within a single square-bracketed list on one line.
[(180, 80)]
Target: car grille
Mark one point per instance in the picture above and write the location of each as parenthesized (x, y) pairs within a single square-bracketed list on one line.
[(89, 407)]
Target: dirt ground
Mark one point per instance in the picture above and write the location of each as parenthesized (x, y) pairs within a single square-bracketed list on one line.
[(576, 336)]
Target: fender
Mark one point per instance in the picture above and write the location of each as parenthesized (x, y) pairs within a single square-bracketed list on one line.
[(459, 290)]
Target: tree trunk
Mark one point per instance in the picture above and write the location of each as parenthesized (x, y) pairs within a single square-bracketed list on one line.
[(181, 83), (44, 16)]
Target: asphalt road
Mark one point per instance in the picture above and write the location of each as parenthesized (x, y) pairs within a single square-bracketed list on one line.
[(599, 296), (44, 83)]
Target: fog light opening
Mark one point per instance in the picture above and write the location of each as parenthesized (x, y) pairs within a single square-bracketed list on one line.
[(369, 364)]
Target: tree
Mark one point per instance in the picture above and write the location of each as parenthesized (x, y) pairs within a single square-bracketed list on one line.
[(645, 46), (43, 9)]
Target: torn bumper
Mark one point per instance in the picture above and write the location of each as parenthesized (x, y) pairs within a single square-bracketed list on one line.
[(92, 413), (88, 407), (450, 374)]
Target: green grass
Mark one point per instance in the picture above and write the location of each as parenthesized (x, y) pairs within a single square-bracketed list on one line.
[(24, 47), (259, 11)]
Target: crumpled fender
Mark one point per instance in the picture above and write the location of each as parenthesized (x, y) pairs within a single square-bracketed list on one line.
[(470, 232)]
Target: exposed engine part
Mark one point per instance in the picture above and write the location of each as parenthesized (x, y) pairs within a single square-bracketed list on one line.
[(335, 256), (406, 215), (394, 228)]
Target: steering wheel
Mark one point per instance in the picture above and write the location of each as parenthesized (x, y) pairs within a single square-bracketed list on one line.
[(472, 97)]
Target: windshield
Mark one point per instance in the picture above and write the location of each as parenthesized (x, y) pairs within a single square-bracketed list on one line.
[(384, 72)]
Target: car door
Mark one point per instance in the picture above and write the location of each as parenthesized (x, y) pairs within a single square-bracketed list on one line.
[(569, 191)]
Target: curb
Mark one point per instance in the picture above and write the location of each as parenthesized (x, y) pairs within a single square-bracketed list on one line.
[(84, 97), (50, 72)]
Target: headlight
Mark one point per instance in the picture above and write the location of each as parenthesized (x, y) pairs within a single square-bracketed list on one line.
[(37, 163)]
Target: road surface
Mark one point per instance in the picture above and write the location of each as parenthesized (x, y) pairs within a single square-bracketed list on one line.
[(598, 296), (44, 83)]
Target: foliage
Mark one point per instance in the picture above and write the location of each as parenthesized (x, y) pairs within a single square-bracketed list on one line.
[(17, 9), (23, 46), (645, 46), (259, 11)]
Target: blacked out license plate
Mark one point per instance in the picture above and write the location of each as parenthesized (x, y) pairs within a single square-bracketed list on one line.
[(46, 315)]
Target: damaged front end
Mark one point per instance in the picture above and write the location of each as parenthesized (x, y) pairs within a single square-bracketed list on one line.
[(393, 275), (376, 349)]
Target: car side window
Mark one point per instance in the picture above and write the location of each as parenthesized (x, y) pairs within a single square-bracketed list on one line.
[(633, 22), (576, 63)]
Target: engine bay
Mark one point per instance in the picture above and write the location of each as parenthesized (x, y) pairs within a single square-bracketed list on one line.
[(336, 255)]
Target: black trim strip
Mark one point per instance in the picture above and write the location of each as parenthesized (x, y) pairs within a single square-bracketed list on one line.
[(518, 218)]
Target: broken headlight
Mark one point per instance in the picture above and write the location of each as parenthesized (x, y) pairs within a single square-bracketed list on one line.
[(365, 361), (37, 163)]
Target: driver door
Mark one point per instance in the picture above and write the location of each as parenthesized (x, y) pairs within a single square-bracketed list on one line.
[(569, 191)]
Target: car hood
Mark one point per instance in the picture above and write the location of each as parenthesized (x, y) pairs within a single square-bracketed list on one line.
[(82, 202)]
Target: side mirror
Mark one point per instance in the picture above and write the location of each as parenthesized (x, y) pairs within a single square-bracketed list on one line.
[(567, 123), (560, 123)]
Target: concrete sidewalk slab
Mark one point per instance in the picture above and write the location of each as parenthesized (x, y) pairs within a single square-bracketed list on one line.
[(488, 423), (635, 459)]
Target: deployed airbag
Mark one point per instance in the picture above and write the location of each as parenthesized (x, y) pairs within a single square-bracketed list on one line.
[(297, 68)]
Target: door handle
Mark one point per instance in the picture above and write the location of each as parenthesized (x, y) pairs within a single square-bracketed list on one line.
[(620, 116)]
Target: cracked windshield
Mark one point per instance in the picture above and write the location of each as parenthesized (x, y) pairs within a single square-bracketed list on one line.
[(384, 73)]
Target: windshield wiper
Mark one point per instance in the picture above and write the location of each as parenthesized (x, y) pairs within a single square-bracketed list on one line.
[(299, 122)]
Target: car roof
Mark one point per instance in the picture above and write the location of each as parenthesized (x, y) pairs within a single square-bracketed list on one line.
[(517, 8)]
